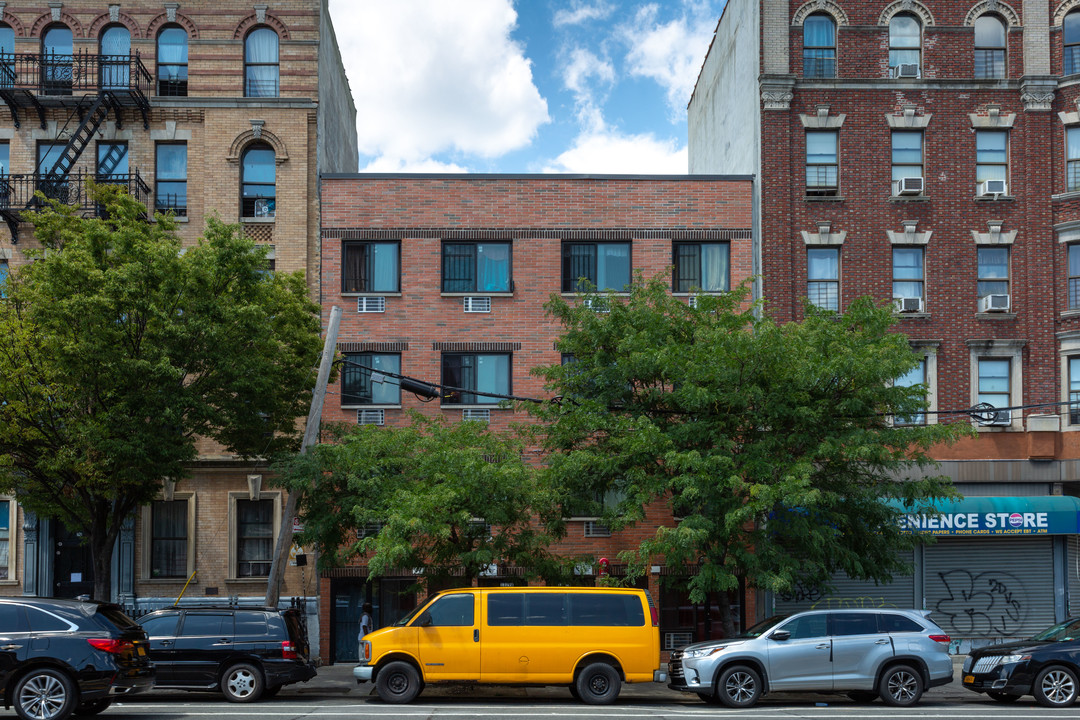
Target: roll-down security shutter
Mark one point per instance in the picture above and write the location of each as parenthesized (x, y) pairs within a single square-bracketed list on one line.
[(848, 593)]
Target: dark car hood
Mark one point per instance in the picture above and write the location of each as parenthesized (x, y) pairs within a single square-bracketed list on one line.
[(1014, 648)]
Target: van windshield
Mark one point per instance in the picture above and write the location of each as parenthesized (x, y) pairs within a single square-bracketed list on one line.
[(762, 627), (414, 612)]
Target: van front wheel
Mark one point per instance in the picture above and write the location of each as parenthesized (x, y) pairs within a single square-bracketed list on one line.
[(398, 683), (598, 684)]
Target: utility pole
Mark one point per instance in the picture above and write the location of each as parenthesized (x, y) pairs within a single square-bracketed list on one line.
[(311, 434)]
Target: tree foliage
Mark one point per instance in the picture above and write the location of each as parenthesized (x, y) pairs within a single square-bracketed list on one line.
[(773, 444), (118, 350), (451, 498)]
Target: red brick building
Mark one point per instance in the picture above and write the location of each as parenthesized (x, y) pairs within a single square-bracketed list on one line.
[(929, 152), (443, 278)]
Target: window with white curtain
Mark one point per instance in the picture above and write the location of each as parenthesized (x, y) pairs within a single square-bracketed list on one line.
[(261, 63), (819, 46), (905, 41), (371, 267), (702, 266), (172, 61), (472, 375)]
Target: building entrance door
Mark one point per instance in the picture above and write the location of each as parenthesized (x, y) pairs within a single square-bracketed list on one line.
[(73, 565)]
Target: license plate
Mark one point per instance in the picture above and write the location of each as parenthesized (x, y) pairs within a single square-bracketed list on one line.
[(969, 679), (142, 650)]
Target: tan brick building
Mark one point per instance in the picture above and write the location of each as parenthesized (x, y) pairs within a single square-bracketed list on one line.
[(201, 108)]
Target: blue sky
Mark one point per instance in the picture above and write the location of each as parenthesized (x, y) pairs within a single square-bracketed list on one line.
[(523, 86)]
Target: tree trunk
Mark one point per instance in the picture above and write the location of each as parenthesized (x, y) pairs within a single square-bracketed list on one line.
[(726, 616), (101, 546)]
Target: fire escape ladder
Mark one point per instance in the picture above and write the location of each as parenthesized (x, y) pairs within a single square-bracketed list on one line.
[(82, 136)]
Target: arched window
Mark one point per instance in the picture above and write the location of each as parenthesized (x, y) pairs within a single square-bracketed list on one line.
[(905, 46), (57, 48), (261, 63), (7, 55), (1071, 37), (172, 61), (7, 39), (989, 47), (114, 47), (258, 178), (819, 46)]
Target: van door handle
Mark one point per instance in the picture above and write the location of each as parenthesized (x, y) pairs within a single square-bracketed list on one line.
[(476, 635), (882, 642)]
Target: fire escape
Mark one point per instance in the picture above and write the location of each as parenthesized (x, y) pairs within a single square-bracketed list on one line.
[(91, 87)]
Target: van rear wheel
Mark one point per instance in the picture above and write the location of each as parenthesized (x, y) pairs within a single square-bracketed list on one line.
[(598, 684), (398, 683)]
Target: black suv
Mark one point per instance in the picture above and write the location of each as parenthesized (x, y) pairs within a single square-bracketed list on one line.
[(247, 653), (59, 657)]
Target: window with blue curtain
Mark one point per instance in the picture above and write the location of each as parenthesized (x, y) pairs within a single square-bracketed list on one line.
[(357, 387), (702, 266), (476, 267), (606, 266), (172, 61), (258, 182), (370, 267), (170, 178), (115, 58), (819, 46), (261, 63), (474, 375)]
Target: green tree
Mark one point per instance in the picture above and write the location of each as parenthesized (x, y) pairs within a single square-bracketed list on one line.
[(451, 498), (772, 443), (118, 350)]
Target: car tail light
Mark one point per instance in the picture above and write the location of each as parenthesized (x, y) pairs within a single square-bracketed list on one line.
[(288, 651), (943, 639), (110, 645)]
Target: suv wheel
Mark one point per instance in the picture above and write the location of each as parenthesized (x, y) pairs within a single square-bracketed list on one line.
[(900, 686), (1055, 687), (242, 683), (44, 694), (398, 683), (739, 687), (598, 684)]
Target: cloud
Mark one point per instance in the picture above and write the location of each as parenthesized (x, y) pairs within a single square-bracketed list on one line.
[(580, 12), (397, 165), (670, 53), (581, 73), (611, 152), (429, 78)]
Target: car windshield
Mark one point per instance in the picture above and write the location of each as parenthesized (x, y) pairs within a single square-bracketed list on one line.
[(762, 627), (1068, 630), (413, 613)]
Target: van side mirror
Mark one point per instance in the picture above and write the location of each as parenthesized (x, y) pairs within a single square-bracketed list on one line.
[(781, 635), (425, 620)]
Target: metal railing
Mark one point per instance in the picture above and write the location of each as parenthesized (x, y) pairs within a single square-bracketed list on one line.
[(990, 64), (17, 191), (819, 63), (51, 74)]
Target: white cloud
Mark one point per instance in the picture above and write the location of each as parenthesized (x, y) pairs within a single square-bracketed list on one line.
[(615, 153), (581, 72), (429, 78), (580, 12), (397, 165), (671, 52)]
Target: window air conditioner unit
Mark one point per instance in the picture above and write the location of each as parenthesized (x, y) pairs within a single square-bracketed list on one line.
[(371, 305), (909, 186), (598, 303), (992, 187), (906, 70), (478, 414), (994, 303), (908, 304), (477, 304), (999, 417), (371, 417), (594, 529), (692, 301)]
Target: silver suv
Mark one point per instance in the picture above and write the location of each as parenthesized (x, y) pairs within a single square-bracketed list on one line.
[(887, 653)]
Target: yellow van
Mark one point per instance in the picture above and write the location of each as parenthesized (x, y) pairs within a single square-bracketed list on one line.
[(589, 639)]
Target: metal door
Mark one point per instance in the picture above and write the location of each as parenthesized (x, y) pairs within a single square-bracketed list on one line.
[(205, 642), (859, 649)]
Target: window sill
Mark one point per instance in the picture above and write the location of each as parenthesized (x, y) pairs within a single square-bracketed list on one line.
[(823, 198), (994, 198), (598, 293), (995, 316), (248, 580), (177, 218), (483, 293), (371, 407), (913, 316), (375, 294), (701, 293), (252, 220), (1071, 195), (163, 581), (474, 407), (1070, 314), (996, 428), (909, 198), (8, 582)]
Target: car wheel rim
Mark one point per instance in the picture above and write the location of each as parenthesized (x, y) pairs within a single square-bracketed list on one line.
[(598, 684), (242, 683), (902, 687), (43, 697), (398, 683), (1058, 687), (740, 687)]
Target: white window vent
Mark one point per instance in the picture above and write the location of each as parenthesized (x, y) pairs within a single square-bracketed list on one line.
[(478, 414), (676, 640), (594, 529), (692, 301), (993, 187), (909, 186), (477, 304), (908, 304), (998, 417), (994, 303), (596, 303), (370, 304), (370, 529), (906, 70), (371, 417)]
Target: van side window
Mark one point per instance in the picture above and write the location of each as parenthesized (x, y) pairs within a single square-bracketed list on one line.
[(506, 609), (596, 609), (546, 609), (889, 622), (200, 624), (451, 611)]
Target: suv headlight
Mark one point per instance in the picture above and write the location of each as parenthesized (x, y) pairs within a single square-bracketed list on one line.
[(703, 651), (1006, 659)]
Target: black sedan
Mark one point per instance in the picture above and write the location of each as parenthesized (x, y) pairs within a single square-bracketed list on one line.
[(1046, 666)]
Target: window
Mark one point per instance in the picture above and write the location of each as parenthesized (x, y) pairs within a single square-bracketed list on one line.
[(823, 277), (606, 266), (476, 267), (451, 611), (808, 626), (7, 55), (261, 63), (57, 47), (169, 539), (48, 154), (170, 178), (991, 155), (254, 537), (995, 382), (854, 623), (112, 162), (905, 43), (915, 376), (1072, 159), (1074, 390), (822, 163), (993, 271), (907, 271), (605, 610), (7, 522), (890, 623), (163, 625), (907, 156), (475, 375), (371, 267), (357, 387), (202, 624), (115, 57), (1070, 34), (4, 269), (258, 177), (989, 47), (172, 61), (1074, 277), (819, 47), (702, 266), (55, 187)]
